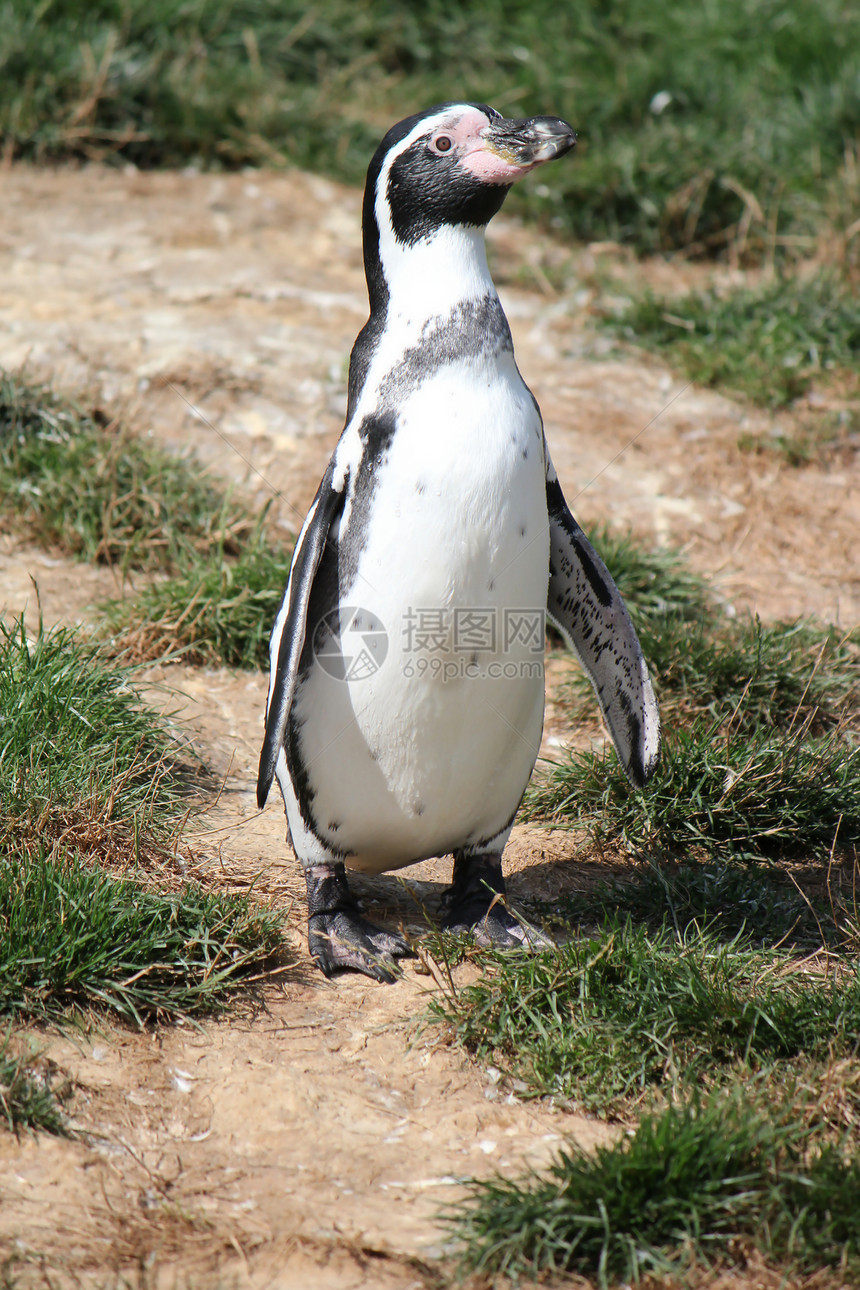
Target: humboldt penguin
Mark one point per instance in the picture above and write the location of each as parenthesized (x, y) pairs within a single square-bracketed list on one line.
[(406, 695)]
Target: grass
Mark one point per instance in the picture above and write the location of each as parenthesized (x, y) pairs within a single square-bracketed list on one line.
[(28, 1099), (219, 611), (610, 1017), (775, 676), (759, 902), (78, 483), (769, 343), (75, 483), (707, 1180), (758, 762), (82, 757), (699, 126), (92, 777), (761, 796), (704, 663), (75, 937)]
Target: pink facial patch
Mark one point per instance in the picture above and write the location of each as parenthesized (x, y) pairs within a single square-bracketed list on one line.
[(467, 133), (466, 130), (491, 168)]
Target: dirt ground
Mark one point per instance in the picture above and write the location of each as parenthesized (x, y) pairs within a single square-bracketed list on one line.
[(311, 1141)]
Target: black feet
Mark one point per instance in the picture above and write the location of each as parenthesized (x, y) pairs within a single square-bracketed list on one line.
[(475, 903), (338, 936)]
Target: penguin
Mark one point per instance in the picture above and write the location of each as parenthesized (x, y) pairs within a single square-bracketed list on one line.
[(406, 692)]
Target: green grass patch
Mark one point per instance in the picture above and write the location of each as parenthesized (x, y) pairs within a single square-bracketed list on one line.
[(82, 757), (612, 1016), (91, 490), (79, 484), (91, 776), (781, 675), (758, 902), (699, 125), (75, 937), (755, 796), (769, 343), (220, 611), (28, 1097), (706, 1180), (756, 765), (704, 662)]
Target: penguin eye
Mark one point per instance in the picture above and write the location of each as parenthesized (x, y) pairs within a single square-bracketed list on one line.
[(442, 143)]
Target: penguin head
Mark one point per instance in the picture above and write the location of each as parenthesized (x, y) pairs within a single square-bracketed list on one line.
[(454, 165)]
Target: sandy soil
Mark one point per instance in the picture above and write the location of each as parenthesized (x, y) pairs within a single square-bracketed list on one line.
[(311, 1141)]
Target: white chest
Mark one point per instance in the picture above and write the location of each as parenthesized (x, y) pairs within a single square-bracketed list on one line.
[(459, 506), (431, 748)]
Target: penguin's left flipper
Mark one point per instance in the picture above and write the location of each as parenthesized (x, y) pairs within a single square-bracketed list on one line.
[(586, 606), (339, 937)]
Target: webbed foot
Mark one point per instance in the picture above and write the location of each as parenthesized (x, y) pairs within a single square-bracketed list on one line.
[(475, 902), (339, 937)]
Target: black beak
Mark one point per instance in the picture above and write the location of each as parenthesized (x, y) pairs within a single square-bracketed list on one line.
[(531, 142)]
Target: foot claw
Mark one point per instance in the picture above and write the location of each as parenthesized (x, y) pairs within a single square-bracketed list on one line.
[(340, 938), (346, 940), (476, 905), (502, 930)]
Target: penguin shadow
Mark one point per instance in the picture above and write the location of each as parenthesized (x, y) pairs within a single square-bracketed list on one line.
[(544, 893), (568, 898), (410, 901), (728, 901)]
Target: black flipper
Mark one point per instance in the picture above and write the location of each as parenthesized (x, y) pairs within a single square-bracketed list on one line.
[(586, 606), (288, 636)]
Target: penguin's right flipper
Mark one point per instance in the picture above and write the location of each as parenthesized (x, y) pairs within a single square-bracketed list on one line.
[(288, 636), (586, 607)]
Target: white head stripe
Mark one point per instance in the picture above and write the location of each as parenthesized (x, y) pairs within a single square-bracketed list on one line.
[(426, 124)]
